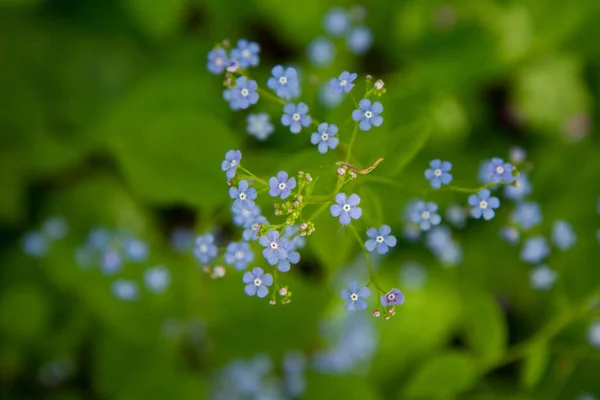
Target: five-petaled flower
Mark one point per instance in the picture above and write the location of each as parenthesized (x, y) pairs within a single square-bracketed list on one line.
[(535, 249), (346, 208), (257, 282), (259, 126), (291, 256), (231, 163), (498, 171), (439, 173), (380, 239), (275, 247), (243, 195), (343, 83), (483, 204), (244, 215), (392, 298), (563, 235), (355, 297), (425, 214), (295, 116), (217, 60), (280, 185), (368, 114), (239, 255), (284, 82), (242, 95), (325, 137), (246, 53), (205, 249)]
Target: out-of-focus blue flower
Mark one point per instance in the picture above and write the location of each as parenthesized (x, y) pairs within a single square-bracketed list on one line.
[(291, 233), (510, 234), (517, 155), (55, 228), (182, 239), (294, 364), (281, 186), (439, 173), (325, 137), (217, 60), (242, 95), (328, 99), (499, 171), (245, 379), (259, 126), (355, 297), (296, 117), (273, 252), (246, 53), (284, 82), (257, 282), (483, 204), (99, 238), (157, 279), (243, 195), (413, 276), (534, 250), (336, 22), (456, 215), (125, 290), (542, 277), (205, 249), (380, 239), (343, 83), (251, 232), (291, 256), (594, 334), (563, 235), (35, 244), (239, 255), (519, 191), (368, 114), (425, 215), (231, 163), (245, 215), (438, 239), (110, 262), (321, 51), (392, 298), (359, 40), (451, 255), (134, 249), (346, 208), (527, 215)]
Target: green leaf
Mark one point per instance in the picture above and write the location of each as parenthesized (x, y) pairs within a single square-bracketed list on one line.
[(535, 365), (23, 312), (408, 140), (156, 18), (443, 376)]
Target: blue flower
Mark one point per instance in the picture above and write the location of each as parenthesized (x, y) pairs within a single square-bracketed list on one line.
[(368, 114), (359, 40), (499, 171), (510, 234), (134, 249), (321, 51), (257, 282), (594, 334), (439, 173), (243, 94), (239, 255), (252, 232), (295, 116), (246, 53), (483, 204), (328, 99), (562, 235), (182, 239), (291, 256), (274, 251), (456, 215), (355, 297), (381, 239), (244, 195), (343, 83), (336, 22), (231, 163), (527, 215), (425, 214), (325, 137), (517, 154), (542, 277), (534, 250), (205, 249), (284, 82), (110, 262), (281, 186), (35, 244), (346, 208), (392, 298), (157, 279), (259, 126), (519, 190), (450, 255), (438, 239), (217, 60), (244, 215), (125, 290), (55, 228)]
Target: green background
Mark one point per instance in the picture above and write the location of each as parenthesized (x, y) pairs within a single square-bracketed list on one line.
[(109, 118)]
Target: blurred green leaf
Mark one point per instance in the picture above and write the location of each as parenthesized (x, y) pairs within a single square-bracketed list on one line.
[(157, 18), (534, 365), (405, 144), (24, 312)]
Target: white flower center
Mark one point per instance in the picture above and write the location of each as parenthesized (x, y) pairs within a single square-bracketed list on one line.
[(245, 92), (245, 213), (257, 282), (324, 137), (283, 80), (425, 215), (437, 172), (483, 204), (379, 239), (239, 255), (353, 297), (255, 226), (274, 245), (282, 186), (242, 196), (219, 61), (368, 114), (391, 297), (246, 53), (203, 248), (296, 117), (233, 162), (347, 207), (343, 83), (499, 169)]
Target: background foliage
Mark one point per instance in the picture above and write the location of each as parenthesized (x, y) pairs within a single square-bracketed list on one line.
[(109, 118)]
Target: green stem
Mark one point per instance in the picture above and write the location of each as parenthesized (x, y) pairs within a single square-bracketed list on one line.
[(366, 253), (318, 211), (354, 100), (392, 182), (470, 190), (354, 132), (251, 175), (270, 96)]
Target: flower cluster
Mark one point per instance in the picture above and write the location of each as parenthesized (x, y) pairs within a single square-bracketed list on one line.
[(36, 244)]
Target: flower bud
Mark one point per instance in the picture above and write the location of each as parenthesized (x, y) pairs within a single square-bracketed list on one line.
[(376, 313), (233, 66), (283, 291), (226, 42), (308, 178), (296, 204), (303, 225), (379, 84), (369, 77), (218, 271), (341, 171), (272, 302), (387, 316), (352, 175)]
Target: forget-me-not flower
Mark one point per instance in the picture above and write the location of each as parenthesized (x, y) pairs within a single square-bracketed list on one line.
[(380, 239), (259, 126), (425, 214), (519, 191), (439, 173), (257, 282), (343, 83), (355, 297), (483, 204), (336, 22), (125, 290), (157, 279), (325, 138), (244, 215), (542, 277), (527, 215), (321, 51), (368, 114), (243, 94), (274, 251), (291, 256), (244, 195), (534, 250), (392, 298), (231, 163), (284, 82), (359, 40), (499, 171), (295, 116), (205, 249), (281, 186), (246, 53), (252, 232), (239, 255), (34, 244), (563, 235), (346, 208), (217, 60)]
